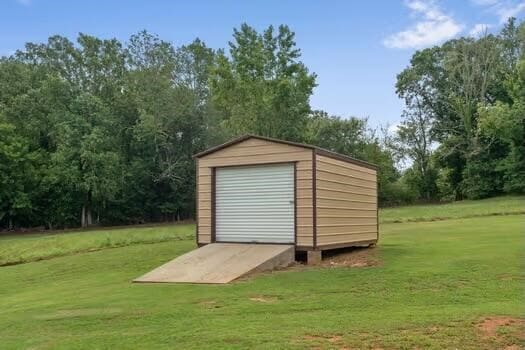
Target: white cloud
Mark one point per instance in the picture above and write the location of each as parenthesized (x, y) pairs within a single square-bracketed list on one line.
[(479, 29), (510, 10), (503, 9), (432, 27), (24, 2)]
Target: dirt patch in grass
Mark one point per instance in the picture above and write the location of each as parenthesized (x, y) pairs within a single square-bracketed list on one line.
[(210, 304), (351, 257), (510, 277), (513, 347), (332, 341), (330, 338), (506, 332), (263, 298), (490, 326)]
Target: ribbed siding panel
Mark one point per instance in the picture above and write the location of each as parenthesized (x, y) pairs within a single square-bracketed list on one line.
[(255, 204), (346, 203)]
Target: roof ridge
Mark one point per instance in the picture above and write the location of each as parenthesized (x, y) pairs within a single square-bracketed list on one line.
[(323, 151)]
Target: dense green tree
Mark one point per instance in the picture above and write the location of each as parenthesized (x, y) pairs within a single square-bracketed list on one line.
[(16, 174), (262, 87), (114, 126), (455, 84), (84, 149), (347, 136), (413, 141), (414, 138), (175, 119), (504, 124), (102, 131)]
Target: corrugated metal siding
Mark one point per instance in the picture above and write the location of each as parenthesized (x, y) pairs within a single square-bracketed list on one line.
[(346, 202), (255, 204)]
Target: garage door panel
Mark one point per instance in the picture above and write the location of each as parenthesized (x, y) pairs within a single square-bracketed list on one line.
[(262, 204), (253, 232), (255, 204), (236, 220), (261, 194)]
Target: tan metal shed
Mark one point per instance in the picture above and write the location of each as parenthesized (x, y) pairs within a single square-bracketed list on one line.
[(256, 189)]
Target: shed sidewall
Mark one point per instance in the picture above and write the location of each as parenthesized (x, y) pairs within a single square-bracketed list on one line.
[(329, 191)]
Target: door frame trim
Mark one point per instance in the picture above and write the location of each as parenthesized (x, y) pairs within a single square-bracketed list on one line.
[(213, 200)]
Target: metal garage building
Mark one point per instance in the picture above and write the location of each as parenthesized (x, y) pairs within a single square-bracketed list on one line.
[(259, 190)]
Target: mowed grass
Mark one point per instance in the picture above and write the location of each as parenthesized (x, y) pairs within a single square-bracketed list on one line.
[(509, 205), (20, 248), (436, 282)]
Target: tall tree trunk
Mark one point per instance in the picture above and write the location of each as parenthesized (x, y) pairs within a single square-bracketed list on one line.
[(87, 219), (83, 217)]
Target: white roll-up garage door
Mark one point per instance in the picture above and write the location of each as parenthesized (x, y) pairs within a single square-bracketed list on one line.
[(255, 204)]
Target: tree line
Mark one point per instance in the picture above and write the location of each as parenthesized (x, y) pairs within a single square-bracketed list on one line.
[(100, 131), (464, 123)]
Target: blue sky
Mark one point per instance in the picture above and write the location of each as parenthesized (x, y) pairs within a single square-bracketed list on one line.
[(355, 47)]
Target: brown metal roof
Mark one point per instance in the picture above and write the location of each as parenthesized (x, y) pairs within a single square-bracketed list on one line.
[(319, 150)]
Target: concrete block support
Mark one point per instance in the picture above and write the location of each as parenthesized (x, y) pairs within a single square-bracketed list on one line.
[(314, 257)]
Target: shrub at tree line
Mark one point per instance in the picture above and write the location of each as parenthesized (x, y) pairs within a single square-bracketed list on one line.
[(103, 132)]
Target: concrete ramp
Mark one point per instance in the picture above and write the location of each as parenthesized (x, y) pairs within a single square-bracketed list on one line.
[(221, 263)]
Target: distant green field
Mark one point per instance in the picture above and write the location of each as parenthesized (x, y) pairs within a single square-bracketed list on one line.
[(463, 209), (436, 284)]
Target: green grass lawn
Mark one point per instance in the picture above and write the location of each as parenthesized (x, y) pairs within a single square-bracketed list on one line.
[(436, 282), (509, 205), (19, 248)]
